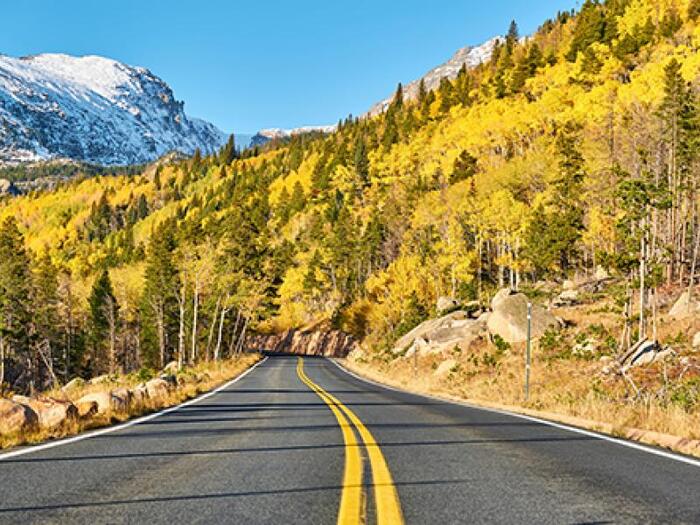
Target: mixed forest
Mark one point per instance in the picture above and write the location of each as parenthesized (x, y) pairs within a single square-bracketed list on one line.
[(574, 148)]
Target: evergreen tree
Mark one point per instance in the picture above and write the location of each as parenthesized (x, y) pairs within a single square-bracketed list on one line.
[(15, 296), (104, 312), (228, 152), (512, 37), (361, 162), (590, 28), (298, 199), (465, 167), (283, 205), (693, 10), (159, 302), (670, 23)]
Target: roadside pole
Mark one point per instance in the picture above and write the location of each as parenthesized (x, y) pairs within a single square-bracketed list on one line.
[(415, 362), (527, 352)]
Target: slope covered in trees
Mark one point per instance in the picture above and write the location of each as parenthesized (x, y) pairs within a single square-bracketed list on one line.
[(574, 148)]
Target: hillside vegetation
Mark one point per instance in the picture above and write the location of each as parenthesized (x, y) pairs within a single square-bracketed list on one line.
[(573, 149)]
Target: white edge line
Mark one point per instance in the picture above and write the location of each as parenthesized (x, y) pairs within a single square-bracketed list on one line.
[(561, 426), (131, 423)]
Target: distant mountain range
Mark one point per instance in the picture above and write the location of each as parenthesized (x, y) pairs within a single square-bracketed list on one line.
[(97, 110), (92, 109)]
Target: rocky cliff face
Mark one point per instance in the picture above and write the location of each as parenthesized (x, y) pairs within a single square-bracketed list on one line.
[(331, 343), (92, 109)]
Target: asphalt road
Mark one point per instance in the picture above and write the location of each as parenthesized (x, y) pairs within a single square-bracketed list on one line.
[(269, 449)]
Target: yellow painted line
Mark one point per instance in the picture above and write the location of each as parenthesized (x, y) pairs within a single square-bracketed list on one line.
[(350, 510), (385, 494)]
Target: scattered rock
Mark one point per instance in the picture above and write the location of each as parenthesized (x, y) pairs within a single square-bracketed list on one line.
[(566, 298), (171, 368), (606, 370), (73, 384), (104, 378), (696, 341), (568, 285), (585, 349), (684, 306), (157, 388), (601, 274), (123, 395), (446, 304), (16, 417), (170, 379), (139, 395), (605, 359), (509, 318), (445, 367)]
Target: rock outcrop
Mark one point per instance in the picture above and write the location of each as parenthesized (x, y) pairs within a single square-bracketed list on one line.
[(509, 318), (685, 307), (329, 343), (442, 335)]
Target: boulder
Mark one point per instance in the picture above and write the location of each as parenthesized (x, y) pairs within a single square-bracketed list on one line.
[(139, 395), (171, 368), (104, 378), (445, 367), (86, 409), (170, 379), (568, 285), (585, 349), (696, 341), (441, 335), (685, 306), (566, 298), (157, 387), (509, 319), (501, 295), (16, 417), (76, 382), (121, 396), (102, 400), (445, 304), (601, 274), (52, 413)]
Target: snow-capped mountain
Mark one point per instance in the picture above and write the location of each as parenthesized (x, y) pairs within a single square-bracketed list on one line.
[(266, 135), (471, 56), (92, 109)]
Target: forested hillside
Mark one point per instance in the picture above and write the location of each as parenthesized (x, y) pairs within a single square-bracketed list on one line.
[(572, 149)]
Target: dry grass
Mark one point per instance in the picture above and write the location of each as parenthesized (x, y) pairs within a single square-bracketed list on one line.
[(192, 382), (566, 387)]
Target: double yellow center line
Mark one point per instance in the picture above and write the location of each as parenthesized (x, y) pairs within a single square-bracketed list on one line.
[(351, 499)]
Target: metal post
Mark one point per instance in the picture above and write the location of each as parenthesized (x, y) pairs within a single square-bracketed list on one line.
[(527, 352), (415, 361)]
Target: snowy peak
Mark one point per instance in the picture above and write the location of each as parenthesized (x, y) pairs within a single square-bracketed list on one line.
[(92, 109), (469, 56), (266, 135)]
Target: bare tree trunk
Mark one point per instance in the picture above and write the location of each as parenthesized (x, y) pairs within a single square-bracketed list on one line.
[(2, 362), (160, 322), (212, 327), (195, 313), (642, 275), (224, 311), (241, 339), (181, 330)]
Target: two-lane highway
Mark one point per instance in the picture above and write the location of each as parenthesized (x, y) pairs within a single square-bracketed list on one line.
[(288, 442)]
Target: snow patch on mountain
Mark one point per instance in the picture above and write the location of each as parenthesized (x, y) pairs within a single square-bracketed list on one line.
[(266, 135), (469, 55), (92, 109)]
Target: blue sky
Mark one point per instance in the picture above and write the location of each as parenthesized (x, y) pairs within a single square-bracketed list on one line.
[(246, 65)]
